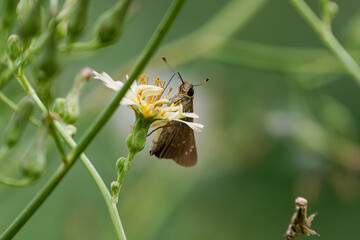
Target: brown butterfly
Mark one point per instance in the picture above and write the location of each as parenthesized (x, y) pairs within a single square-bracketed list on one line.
[(176, 140)]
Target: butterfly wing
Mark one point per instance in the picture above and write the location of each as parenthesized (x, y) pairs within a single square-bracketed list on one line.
[(177, 142)]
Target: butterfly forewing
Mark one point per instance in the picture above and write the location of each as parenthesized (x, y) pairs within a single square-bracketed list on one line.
[(176, 140)]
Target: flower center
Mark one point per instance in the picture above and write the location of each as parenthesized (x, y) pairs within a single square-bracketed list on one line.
[(152, 104)]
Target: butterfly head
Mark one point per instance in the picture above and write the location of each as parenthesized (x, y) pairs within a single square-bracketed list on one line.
[(185, 89)]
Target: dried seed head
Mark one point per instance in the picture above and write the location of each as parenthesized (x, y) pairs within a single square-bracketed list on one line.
[(300, 201)]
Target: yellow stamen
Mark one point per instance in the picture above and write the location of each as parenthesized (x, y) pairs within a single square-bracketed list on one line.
[(149, 100), (170, 89), (142, 80), (162, 83), (178, 102)]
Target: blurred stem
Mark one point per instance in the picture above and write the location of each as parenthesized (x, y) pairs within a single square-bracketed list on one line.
[(15, 182), (31, 92), (8, 102), (278, 58), (57, 141), (325, 34), (15, 107), (114, 214), (212, 35), (42, 195)]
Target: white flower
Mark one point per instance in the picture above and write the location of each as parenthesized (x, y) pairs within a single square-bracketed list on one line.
[(146, 100)]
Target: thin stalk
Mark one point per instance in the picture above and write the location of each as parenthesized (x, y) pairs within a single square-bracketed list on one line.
[(57, 142), (15, 107), (15, 182), (8, 102), (31, 92), (145, 57), (213, 35), (114, 214), (277, 58), (324, 32)]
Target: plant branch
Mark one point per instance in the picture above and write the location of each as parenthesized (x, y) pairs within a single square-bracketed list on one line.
[(99, 182), (15, 107), (211, 36), (325, 34), (145, 57), (277, 58), (15, 182)]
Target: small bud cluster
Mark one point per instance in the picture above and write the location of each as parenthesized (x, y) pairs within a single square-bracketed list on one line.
[(68, 109), (36, 38), (135, 142)]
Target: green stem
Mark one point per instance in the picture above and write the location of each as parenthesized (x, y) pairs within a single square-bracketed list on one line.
[(15, 182), (15, 107), (57, 141), (149, 50), (277, 58), (114, 214), (64, 168), (140, 65), (31, 92), (8, 102), (36, 202), (213, 35), (325, 34)]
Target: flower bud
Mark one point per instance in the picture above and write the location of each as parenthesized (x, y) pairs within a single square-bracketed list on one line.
[(30, 12), (115, 187), (59, 107), (129, 142), (77, 20), (82, 77), (70, 129), (24, 7), (140, 139), (332, 8), (18, 122), (14, 46), (34, 163), (109, 26), (120, 163), (68, 108), (68, 111)]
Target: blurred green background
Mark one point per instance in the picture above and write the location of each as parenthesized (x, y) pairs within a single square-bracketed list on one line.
[(280, 116)]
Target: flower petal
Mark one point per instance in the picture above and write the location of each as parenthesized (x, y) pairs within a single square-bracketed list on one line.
[(194, 126), (191, 115), (161, 102), (127, 101), (151, 92), (108, 81)]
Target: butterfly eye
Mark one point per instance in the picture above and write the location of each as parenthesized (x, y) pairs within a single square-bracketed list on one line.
[(190, 93)]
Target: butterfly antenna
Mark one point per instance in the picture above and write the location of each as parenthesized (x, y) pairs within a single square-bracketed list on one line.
[(165, 61), (205, 81)]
